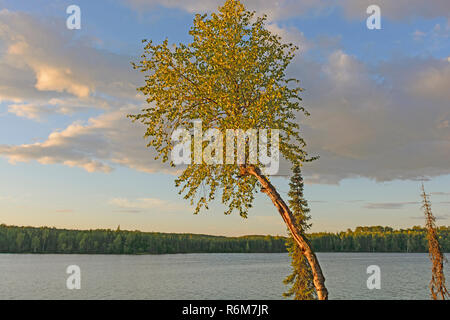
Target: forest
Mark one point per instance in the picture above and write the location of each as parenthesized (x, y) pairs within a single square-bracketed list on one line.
[(15, 239)]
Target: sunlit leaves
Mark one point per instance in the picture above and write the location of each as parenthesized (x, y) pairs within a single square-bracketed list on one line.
[(231, 76)]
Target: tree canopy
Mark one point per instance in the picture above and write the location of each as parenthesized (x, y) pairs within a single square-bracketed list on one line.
[(232, 75)]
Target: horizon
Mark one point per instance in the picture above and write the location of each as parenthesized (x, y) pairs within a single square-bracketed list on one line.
[(215, 235)]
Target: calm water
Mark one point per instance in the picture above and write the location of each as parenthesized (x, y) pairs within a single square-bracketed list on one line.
[(207, 276)]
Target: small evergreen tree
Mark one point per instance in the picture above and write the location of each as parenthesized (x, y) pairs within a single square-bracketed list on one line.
[(301, 278)]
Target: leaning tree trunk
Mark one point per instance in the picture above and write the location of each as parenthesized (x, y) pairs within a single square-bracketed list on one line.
[(286, 214)]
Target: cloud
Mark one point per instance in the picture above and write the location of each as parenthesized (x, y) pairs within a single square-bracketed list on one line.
[(432, 83), (35, 111), (284, 9), (276, 10), (46, 70), (103, 141), (136, 205), (398, 9), (291, 35), (53, 79), (383, 122), (388, 205)]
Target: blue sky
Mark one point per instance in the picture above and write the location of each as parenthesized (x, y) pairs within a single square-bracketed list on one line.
[(379, 101)]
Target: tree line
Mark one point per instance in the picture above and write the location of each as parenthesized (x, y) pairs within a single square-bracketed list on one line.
[(378, 239), (51, 240), (363, 239)]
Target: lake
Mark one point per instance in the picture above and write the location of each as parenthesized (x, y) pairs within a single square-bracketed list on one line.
[(207, 276)]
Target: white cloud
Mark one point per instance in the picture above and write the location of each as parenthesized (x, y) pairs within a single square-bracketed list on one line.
[(53, 79), (97, 145), (291, 35), (46, 70), (29, 111)]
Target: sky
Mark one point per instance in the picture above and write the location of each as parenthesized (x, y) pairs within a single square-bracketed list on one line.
[(379, 103)]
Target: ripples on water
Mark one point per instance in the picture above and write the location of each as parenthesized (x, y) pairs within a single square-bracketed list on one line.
[(207, 276)]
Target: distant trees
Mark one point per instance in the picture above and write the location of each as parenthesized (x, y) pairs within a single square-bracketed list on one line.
[(50, 240), (378, 239), (301, 278), (362, 239)]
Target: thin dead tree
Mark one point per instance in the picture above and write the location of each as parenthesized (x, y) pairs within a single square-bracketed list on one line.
[(437, 283)]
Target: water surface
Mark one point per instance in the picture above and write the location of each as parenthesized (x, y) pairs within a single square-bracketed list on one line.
[(207, 276)]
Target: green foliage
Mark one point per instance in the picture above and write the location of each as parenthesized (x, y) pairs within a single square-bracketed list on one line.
[(231, 76), (51, 240), (48, 240), (301, 278), (378, 239)]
